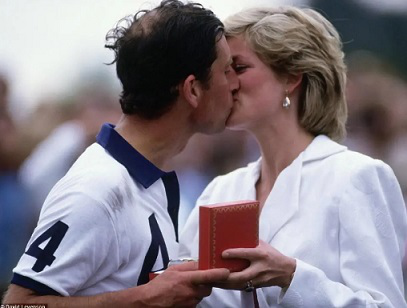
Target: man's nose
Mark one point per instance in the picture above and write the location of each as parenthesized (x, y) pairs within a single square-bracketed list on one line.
[(233, 81)]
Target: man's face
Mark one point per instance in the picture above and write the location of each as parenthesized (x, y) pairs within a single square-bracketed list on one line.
[(217, 101)]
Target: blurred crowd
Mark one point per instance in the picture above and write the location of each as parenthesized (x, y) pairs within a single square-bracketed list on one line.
[(377, 123), (37, 152)]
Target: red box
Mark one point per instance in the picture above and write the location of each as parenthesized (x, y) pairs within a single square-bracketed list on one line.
[(227, 225)]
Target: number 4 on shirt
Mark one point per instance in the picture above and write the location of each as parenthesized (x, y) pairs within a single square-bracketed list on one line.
[(46, 256)]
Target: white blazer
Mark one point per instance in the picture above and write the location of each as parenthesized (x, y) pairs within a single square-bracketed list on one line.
[(341, 214)]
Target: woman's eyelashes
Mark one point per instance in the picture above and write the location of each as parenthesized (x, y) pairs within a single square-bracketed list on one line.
[(239, 68)]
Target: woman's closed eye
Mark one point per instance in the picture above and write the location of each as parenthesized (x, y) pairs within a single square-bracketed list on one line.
[(239, 68)]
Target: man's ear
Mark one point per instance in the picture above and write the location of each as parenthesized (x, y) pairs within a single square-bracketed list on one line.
[(191, 89)]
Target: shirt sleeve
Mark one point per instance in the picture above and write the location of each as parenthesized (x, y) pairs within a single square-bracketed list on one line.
[(189, 242), (189, 236), (74, 237), (372, 219)]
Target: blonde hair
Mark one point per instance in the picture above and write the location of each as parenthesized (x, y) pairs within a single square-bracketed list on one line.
[(296, 41)]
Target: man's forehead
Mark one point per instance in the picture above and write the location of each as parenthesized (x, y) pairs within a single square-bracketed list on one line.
[(223, 51)]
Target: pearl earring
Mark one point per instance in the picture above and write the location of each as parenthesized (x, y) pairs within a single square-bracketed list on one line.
[(286, 102)]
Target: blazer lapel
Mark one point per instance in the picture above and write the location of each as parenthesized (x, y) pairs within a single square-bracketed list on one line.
[(283, 201)]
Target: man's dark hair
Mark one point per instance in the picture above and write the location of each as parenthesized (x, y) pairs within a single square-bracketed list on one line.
[(158, 49)]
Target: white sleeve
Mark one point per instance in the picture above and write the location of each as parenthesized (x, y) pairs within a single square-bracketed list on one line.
[(188, 248), (372, 235), (74, 237), (189, 236), (189, 242)]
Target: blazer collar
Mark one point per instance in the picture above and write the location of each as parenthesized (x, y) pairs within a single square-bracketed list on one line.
[(284, 200), (322, 147)]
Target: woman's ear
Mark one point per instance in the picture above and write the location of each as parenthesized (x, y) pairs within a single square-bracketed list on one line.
[(293, 81), (191, 89)]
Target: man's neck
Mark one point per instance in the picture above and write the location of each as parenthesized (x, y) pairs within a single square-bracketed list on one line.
[(157, 140)]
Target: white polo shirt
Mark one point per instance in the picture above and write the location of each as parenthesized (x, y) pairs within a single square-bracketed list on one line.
[(104, 226)]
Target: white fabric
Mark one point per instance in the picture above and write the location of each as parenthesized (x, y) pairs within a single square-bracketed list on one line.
[(107, 213), (339, 213)]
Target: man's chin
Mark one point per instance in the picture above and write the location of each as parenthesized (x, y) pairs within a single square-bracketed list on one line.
[(219, 129), (214, 129)]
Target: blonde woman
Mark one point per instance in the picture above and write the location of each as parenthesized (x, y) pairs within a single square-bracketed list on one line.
[(333, 221)]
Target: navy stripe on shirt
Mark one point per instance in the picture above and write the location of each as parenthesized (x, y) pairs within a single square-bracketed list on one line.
[(37, 287)]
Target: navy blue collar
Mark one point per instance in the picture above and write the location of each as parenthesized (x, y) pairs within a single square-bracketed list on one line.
[(141, 169)]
